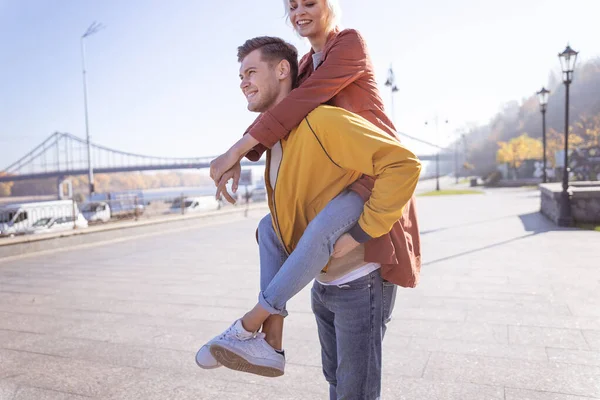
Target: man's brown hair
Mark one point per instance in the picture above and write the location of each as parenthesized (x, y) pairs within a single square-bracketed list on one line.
[(273, 50)]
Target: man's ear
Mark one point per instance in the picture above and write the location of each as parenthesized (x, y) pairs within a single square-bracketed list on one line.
[(283, 69)]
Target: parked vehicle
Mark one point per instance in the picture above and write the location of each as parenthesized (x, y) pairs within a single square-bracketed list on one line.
[(51, 224), (100, 211), (101, 207), (16, 219), (259, 192), (195, 204)]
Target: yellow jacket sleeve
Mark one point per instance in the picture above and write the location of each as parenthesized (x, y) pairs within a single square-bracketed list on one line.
[(353, 143)]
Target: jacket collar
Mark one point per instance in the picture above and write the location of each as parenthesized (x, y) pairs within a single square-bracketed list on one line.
[(305, 68), (330, 39)]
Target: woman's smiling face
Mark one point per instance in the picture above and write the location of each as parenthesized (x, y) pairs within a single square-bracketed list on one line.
[(310, 18)]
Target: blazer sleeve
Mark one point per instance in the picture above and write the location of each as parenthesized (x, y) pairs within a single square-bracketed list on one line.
[(344, 63)]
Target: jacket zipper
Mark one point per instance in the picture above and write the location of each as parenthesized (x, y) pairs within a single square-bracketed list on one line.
[(275, 206)]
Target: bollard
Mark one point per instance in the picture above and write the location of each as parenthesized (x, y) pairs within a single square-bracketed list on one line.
[(247, 196), (74, 216)]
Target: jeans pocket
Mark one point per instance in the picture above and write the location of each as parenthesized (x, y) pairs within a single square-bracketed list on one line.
[(389, 300)]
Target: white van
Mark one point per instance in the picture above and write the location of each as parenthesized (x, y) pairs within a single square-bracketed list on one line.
[(195, 204), (53, 224), (16, 219), (96, 211)]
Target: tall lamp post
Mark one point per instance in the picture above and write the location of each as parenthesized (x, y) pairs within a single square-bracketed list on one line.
[(437, 155), (93, 28), (543, 98), (568, 58), (456, 160), (391, 82)]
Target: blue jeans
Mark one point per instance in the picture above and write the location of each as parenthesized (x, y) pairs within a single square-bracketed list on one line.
[(283, 276), (351, 320)]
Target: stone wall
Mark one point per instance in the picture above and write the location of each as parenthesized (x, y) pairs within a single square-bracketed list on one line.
[(585, 201)]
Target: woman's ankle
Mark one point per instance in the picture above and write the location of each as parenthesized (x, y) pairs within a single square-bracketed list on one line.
[(275, 343)]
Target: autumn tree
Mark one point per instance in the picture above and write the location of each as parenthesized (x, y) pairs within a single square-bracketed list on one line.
[(588, 129), (5, 188), (555, 141), (519, 149)]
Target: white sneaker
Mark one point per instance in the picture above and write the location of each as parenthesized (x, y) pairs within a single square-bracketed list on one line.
[(204, 358), (253, 355)]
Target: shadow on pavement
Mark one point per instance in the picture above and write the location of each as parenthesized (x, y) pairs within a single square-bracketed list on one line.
[(534, 223), (445, 228), (537, 223)]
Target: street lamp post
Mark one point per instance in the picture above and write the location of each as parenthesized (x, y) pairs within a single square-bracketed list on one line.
[(437, 154), (93, 28), (568, 58), (543, 98), (456, 161), (391, 82)]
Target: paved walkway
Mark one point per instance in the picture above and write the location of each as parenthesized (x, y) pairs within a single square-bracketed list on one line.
[(508, 308)]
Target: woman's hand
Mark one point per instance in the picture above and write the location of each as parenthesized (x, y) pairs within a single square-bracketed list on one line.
[(344, 245)]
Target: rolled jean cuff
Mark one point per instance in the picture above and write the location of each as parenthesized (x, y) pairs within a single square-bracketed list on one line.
[(272, 310)]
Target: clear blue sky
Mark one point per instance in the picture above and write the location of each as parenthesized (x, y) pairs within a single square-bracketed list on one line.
[(162, 77)]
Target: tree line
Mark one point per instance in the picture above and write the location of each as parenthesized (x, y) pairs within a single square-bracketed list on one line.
[(105, 183), (515, 133)]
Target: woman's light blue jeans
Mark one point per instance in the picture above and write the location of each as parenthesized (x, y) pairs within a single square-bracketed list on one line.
[(283, 276)]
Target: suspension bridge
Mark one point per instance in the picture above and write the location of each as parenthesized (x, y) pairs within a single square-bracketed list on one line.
[(64, 154)]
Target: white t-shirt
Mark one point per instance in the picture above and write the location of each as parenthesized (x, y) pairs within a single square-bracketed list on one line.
[(353, 275), (275, 162)]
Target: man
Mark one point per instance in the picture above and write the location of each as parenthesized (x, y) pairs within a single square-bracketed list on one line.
[(315, 164)]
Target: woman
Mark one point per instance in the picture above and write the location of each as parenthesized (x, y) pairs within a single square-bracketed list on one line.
[(336, 71)]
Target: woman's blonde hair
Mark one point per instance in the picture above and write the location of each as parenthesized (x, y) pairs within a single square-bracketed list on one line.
[(335, 12)]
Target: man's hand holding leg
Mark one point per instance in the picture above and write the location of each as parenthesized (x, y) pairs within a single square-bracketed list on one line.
[(233, 173)]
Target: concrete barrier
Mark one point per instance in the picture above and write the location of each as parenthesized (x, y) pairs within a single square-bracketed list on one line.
[(585, 201), (11, 248)]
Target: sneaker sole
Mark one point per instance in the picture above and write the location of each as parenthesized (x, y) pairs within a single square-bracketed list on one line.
[(233, 361), (205, 367)]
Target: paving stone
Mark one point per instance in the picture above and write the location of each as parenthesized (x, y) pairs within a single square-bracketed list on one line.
[(29, 393), (510, 303), (522, 352), (64, 313), (7, 389), (31, 323), (520, 394), (585, 308), (593, 339), (550, 337), (574, 356), (534, 320), (404, 388), (480, 333), (124, 321), (430, 313), (67, 375), (532, 375), (218, 384)]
